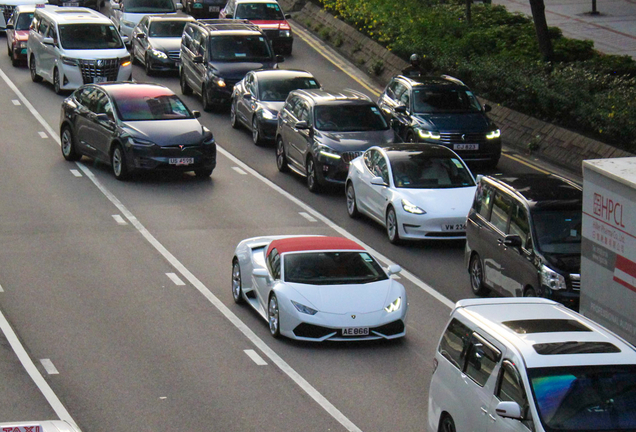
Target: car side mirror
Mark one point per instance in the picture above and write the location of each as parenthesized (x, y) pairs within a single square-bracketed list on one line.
[(279, 58), (196, 113), (301, 125), (509, 409), (48, 41), (401, 109), (140, 36), (197, 59), (287, 16), (394, 269), (9, 27), (487, 108), (103, 118), (179, 6), (125, 39), (512, 240), (378, 181)]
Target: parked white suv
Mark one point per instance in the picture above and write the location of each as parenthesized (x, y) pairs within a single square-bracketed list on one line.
[(69, 47), (530, 364)]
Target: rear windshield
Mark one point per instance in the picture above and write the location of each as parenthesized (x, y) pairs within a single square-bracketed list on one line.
[(332, 268), (24, 21), (349, 118), (148, 6), (240, 48), (259, 11), (278, 89), (166, 28), (445, 100), (417, 171), (134, 107), (89, 36)]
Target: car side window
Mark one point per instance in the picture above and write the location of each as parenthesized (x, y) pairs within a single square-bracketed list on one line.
[(187, 37), (102, 103), (454, 343), (368, 159), (519, 223), (273, 263), (382, 168), (201, 44), (481, 360), (82, 97), (34, 23), (52, 33), (483, 200), (510, 389), (398, 91), (43, 27), (501, 207), (405, 98)]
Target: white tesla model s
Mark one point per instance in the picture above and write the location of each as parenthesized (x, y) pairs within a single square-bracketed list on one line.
[(417, 191), (317, 288)]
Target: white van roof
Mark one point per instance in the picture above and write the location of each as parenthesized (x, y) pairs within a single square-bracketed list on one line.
[(546, 333), (73, 15)]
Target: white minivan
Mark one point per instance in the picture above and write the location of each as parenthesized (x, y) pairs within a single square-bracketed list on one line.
[(69, 47), (530, 364), (126, 14)]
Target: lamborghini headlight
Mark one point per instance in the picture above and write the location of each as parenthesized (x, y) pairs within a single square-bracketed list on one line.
[(394, 306), (304, 309)]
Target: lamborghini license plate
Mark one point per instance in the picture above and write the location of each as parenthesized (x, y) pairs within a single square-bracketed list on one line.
[(355, 331)]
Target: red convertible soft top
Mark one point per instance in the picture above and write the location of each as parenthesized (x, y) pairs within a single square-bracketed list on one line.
[(297, 244)]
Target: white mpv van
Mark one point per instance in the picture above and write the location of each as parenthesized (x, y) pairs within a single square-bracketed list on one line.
[(69, 47), (530, 364)]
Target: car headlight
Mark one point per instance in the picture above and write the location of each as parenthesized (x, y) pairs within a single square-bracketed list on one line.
[(330, 153), (219, 81), (268, 115), (493, 134), (304, 309), (285, 33), (552, 279), (69, 61), (394, 306), (411, 208), (427, 134), (22, 44), (158, 54), (138, 142), (128, 23)]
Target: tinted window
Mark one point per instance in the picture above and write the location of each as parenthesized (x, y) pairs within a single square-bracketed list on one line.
[(349, 118), (332, 268), (24, 21), (89, 36), (133, 107), (558, 231), (278, 89), (444, 99), (416, 170), (483, 199), (166, 28), (240, 48), (148, 6), (455, 342), (510, 389), (500, 211), (481, 360), (259, 11), (519, 223), (273, 262)]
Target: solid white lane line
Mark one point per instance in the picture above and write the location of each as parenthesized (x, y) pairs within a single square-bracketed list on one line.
[(16, 102), (238, 170), (76, 173), (49, 367), (120, 220), (43, 135), (307, 216), (1, 290), (174, 278), (255, 357), (12, 338)]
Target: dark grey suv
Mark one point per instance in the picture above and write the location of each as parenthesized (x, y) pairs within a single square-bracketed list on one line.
[(319, 132)]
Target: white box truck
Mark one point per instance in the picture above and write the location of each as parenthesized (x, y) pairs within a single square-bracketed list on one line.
[(608, 249)]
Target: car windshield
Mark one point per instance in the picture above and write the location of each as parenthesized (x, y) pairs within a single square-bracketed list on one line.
[(585, 398), (240, 48), (444, 100), (24, 21), (415, 170), (167, 29), (349, 118), (558, 231), (133, 107), (89, 36), (259, 11), (332, 268), (278, 89), (148, 6)]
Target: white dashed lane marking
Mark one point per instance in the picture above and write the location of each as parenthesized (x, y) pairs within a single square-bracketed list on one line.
[(255, 357), (43, 135), (120, 220), (238, 170), (307, 216), (1, 290), (16, 102), (49, 367), (76, 173), (174, 278)]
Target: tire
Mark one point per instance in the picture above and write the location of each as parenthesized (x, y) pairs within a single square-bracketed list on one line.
[(57, 86), (68, 145), (237, 290), (15, 62), (447, 424), (203, 172), (273, 316), (207, 106), (34, 75), (352, 206), (476, 271), (392, 230), (256, 132), (118, 163), (281, 159), (147, 66), (529, 292), (410, 138), (312, 176), (233, 119), (185, 88)]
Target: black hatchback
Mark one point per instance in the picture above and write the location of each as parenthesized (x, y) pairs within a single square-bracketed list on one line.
[(442, 110), (134, 126)]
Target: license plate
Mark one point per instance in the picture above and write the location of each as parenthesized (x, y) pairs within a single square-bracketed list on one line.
[(454, 227), (355, 331), (181, 161), (466, 147), (24, 51), (215, 8), (71, 4), (99, 79)]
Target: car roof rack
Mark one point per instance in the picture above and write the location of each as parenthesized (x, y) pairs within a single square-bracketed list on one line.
[(453, 79)]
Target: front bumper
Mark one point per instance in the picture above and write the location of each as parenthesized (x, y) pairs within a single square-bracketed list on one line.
[(163, 64), (72, 77), (159, 158), (429, 227)]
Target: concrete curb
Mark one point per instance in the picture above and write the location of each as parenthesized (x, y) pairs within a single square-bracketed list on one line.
[(556, 145)]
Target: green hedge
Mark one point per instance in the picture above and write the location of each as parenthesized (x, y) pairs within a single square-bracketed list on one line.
[(498, 56)]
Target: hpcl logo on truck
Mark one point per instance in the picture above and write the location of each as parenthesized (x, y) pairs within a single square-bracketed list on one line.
[(607, 209)]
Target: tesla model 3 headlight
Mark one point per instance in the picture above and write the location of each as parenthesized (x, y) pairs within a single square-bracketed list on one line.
[(394, 306), (137, 142), (304, 309), (411, 208), (493, 134), (267, 114), (158, 54), (427, 134)]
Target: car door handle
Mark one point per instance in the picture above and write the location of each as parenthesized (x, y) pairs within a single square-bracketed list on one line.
[(483, 410), (492, 417), (500, 242)]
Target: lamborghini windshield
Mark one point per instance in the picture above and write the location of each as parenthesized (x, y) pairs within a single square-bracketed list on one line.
[(332, 268)]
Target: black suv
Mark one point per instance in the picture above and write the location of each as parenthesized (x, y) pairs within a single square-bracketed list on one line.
[(216, 54), (442, 110), (319, 132), (523, 237)]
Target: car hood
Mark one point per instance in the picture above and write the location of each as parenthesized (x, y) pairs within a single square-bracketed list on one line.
[(21, 35), (274, 107), (165, 43), (354, 141), (464, 122), (568, 263), (167, 132), (237, 70), (440, 202), (343, 299)]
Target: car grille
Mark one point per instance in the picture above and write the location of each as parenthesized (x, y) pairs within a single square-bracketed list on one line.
[(316, 332), (461, 138), (7, 11), (575, 281), (108, 68), (174, 55), (271, 34), (347, 157)]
